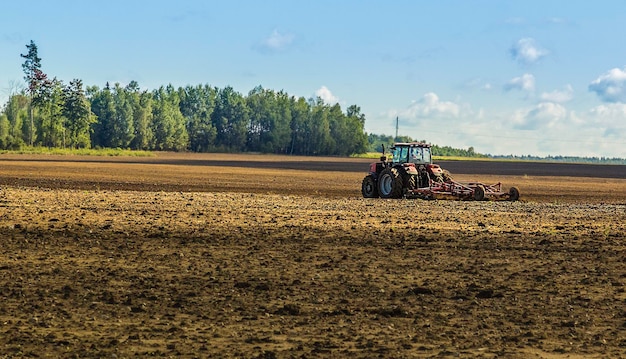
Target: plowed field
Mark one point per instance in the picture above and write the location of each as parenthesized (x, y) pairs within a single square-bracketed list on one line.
[(254, 256)]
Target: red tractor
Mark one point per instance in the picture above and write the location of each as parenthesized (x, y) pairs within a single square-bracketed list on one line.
[(411, 174)]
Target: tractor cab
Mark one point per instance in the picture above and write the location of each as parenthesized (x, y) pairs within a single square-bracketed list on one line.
[(417, 153), (414, 159)]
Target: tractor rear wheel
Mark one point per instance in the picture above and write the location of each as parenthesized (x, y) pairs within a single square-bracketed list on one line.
[(479, 193), (411, 182), (368, 187), (390, 184), (513, 194)]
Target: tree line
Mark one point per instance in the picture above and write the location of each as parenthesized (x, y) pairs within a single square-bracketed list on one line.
[(198, 118)]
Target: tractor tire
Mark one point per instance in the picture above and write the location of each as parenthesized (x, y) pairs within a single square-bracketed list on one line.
[(479, 193), (390, 184), (369, 188), (513, 194), (412, 182)]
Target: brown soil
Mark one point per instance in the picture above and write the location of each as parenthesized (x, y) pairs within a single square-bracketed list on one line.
[(182, 256)]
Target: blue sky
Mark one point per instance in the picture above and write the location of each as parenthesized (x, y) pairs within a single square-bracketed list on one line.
[(506, 77)]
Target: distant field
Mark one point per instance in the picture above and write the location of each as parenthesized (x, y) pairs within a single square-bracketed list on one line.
[(325, 176)]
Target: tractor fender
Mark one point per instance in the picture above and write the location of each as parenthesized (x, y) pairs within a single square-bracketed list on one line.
[(376, 168)]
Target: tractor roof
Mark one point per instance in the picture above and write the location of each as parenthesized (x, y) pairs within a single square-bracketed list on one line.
[(412, 144)]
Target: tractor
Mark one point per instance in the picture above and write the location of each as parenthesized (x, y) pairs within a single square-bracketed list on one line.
[(410, 173)]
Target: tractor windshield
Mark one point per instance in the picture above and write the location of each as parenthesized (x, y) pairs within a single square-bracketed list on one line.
[(426, 155), (420, 155), (400, 154), (416, 155)]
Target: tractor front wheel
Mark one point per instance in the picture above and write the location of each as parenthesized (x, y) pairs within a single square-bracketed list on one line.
[(368, 187), (390, 184)]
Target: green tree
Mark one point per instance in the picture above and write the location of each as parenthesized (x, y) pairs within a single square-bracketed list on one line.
[(17, 115), (281, 131), (103, 107), (266, 122), (121, 122), (32, 63), (169, 124), (318, 128), (33, 77), (51, 129), (230, 119), (77, 112), (197, 105), (340, 138), (357, 138), (4, 131), (300, 113), (141, 103), (377, 141)]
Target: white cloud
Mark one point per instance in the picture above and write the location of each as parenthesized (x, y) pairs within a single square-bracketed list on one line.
[(277, 41), (478, 83), (545, 128), (610, 118), (429, 106), (526, 52), (432, 119), (526, 82), (610, 112), (611, 86), (543, 115), (326, 95), (559, 96)]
